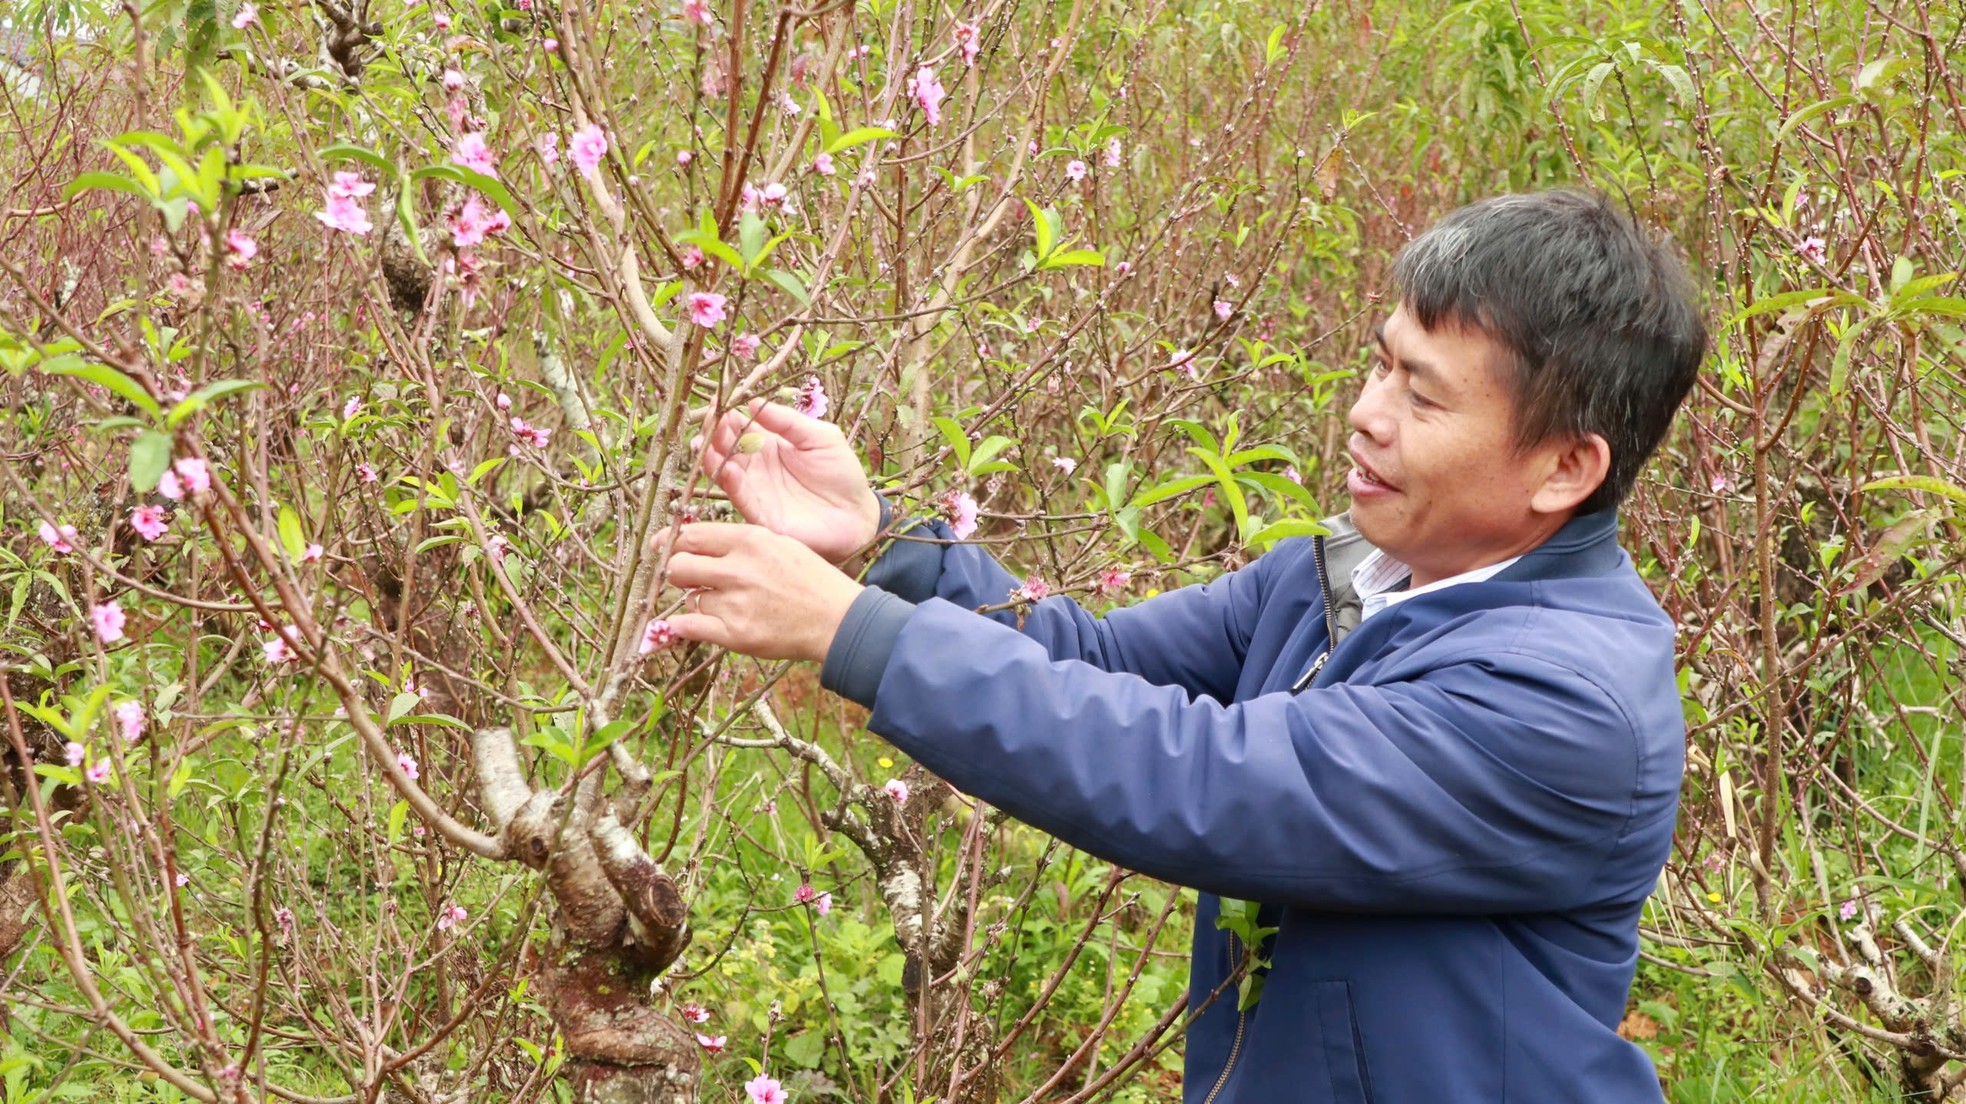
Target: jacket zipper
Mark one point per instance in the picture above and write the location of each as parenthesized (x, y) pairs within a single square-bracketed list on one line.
[(1330, 618), (1235, 1047)]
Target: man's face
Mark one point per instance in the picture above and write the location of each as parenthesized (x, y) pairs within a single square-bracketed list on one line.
[(1438, 482)]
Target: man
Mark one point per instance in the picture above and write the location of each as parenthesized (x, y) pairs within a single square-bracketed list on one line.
[(1441, 746)]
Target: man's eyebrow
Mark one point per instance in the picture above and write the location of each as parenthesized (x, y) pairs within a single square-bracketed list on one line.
[(1418, 369)]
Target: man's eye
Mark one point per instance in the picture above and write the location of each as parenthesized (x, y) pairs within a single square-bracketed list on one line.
[(1420, 400)]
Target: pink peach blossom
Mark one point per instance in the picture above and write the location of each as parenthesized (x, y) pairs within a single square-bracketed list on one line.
[(896, 789), (706, 308), (697, 11), (246, 16), (823, 164), (472, 153), (1075, 170), (764, 1090), (587, 146), (655, 635), (812, 401), (61, 539), (129, 720), (349, 185), (240, 249), (969, 38), (98, 772), (960, 509), (149, 522), (108, 620), (928, 94), (193, 473)]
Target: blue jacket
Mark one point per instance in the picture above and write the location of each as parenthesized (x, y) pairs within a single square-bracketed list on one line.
[(1453, 825)]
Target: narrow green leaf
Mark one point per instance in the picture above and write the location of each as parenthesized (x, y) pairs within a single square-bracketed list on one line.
[(1925, 483), (205, 396), (114, 380), (1160, 492), (856, 136), (399, 707), (1074, 257), (150, 454), (344, 151), (105, 181), (292, 537)]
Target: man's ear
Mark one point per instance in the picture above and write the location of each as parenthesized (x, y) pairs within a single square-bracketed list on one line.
[(1577, 468)]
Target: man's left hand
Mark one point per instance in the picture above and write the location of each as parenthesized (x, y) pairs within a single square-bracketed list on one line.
[(756, 592)]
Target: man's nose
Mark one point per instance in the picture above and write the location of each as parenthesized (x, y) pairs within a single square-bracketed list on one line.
[(1368, 414)]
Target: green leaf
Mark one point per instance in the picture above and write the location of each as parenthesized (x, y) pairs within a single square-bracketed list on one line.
[(1162, 491), (490, 186), (953, 433), (1810, 112), (399, 707), (1074, 257), (1288, 527), (105, 181), (1782, 301), (205, 396), (986, 451), (398, 813), (344, 151), (790, 283), (712, 245), (1046, 238), (114, 380), (444, 719), (1925, 483), (856, 136), (484, 468), (150, 454), (292, 537)]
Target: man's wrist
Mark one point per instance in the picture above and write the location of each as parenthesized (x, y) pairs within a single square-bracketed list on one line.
[(856, 564)]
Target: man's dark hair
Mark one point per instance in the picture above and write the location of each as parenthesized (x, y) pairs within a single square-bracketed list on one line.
[(1597, 317)]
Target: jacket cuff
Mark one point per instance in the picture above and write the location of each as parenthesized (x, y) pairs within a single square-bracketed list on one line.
[(910, 566), (861, 648)]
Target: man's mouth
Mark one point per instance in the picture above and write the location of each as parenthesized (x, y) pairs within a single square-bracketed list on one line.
[(1368, 476)]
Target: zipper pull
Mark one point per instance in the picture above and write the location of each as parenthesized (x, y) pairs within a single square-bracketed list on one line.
[(1316, 666)]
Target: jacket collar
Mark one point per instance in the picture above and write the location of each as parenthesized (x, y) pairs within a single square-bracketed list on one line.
[(1586, 545)]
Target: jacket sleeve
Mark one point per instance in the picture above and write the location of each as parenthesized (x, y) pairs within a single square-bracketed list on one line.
[(1490, 782), (1194, 637)]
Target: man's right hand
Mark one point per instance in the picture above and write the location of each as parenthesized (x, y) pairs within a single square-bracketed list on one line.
[(796, 476)]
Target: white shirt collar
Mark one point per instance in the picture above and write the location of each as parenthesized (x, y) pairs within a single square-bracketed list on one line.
[(1378, 580)]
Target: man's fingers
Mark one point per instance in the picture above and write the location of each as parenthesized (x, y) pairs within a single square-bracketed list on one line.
[(797, 429), (701, 626), (713, 538), (688, 569)]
